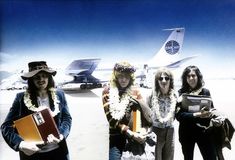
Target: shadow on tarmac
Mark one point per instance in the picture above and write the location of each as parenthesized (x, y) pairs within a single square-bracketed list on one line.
[(80, 93)]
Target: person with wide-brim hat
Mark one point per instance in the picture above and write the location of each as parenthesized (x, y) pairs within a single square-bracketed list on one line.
[(40, 94)]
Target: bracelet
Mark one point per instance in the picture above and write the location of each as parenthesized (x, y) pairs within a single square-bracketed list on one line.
[(124, 128), (130, 134)]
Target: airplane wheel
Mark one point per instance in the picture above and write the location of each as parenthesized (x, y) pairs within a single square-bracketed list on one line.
[(83, 86), (88, 86)]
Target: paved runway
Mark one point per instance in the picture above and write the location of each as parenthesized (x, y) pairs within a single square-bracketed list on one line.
[(88, 139)]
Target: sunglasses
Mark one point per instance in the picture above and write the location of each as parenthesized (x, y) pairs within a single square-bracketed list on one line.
[(166, 78)]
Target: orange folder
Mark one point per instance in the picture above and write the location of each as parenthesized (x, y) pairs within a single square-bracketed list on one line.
[(136, 121), (37, 126)]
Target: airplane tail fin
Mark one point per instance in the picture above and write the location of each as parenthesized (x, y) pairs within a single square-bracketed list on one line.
[(170, 50)]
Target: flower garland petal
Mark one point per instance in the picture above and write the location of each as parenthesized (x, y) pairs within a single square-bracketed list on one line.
[(156, 115), (118, 105), (31, 107)]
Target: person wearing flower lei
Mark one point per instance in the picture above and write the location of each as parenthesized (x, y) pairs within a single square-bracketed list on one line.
[(162, 102), (120, 98), (189, 130), (40, 94)]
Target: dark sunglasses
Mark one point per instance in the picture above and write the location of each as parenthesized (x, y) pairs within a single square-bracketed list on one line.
[(166, 78)]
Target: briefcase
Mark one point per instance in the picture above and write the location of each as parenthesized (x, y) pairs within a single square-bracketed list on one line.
[(194, 103), (37, 126)]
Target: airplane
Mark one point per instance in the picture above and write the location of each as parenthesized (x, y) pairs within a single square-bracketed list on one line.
[(81, 70), (168, 56), (85, 71)]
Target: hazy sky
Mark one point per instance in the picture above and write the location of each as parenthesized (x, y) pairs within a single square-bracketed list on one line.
[(61, 31)]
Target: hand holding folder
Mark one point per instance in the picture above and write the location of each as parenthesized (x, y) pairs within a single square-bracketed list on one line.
[(37, 126), (29, 148), (196, 103)]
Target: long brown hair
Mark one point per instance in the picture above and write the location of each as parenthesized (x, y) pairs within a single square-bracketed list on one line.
[(185, 86), (156, 88), (32, 89)]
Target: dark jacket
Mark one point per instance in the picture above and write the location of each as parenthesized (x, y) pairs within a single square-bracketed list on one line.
[(188, 123), (117, 138), (18, 110), (222, 137)]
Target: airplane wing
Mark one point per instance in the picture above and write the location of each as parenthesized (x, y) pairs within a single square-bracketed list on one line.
[(176, 64), (82, 67), (179, 62), (81, 70)]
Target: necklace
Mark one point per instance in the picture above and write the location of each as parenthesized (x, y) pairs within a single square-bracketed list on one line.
[(117, 104), (156, 108), (30, 106)]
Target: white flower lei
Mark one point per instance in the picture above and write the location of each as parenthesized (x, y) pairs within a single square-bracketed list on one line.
[(118, 105), (156, 108), (30, 106)]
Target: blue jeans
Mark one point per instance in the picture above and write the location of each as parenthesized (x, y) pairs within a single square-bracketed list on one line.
[(114, 153)]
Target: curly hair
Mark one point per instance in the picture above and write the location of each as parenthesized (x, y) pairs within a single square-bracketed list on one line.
[(122, 68)]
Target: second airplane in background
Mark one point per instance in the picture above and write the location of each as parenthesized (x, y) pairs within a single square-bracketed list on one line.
[(86, 75)]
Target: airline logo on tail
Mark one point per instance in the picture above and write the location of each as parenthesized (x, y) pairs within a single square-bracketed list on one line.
[(170, 50), (167, 56), (172, 47)]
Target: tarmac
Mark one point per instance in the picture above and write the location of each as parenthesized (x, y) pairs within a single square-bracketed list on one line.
[(88, 139)]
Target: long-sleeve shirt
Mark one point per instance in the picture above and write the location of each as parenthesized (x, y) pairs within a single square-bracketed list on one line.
[(188, 123), (117, 138)]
